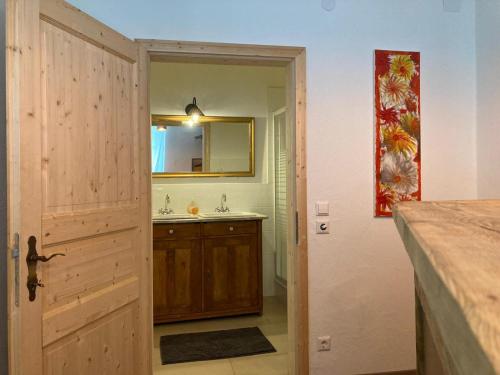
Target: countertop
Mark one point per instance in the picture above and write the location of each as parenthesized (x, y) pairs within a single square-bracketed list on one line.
[(158, 219), (455, 249)]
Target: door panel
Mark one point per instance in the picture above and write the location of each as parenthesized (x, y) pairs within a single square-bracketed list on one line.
[(111, 336), (85, 192), (177, 278), (88, 125), (89, 265), (231, 272)]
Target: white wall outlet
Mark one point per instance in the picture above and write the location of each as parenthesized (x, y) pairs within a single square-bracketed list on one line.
[(324, 343), (322, 226)]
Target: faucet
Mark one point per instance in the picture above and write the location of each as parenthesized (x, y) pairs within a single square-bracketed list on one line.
[(222, 208), (166, 210)]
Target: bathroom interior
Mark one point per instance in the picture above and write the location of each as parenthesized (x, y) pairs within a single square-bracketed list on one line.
[(220, 160)]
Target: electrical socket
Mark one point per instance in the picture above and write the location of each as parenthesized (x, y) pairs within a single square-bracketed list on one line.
[(324, 343)]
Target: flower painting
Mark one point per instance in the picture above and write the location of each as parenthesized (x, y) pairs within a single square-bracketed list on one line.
[(397, 143)]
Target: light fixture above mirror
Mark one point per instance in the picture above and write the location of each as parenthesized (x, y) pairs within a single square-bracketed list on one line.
[(194, 112)]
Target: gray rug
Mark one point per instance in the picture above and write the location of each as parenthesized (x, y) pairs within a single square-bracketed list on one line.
[(204, 346)]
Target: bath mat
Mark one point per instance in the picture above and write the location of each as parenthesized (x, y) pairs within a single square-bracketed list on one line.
[(204, 346)]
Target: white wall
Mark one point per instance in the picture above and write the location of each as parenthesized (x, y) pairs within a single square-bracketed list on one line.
[(361, 289), (223, 90), (488, 97)]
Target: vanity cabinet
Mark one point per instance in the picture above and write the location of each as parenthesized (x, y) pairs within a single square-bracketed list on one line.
[(207, 269), (177, 270), (231, 273)]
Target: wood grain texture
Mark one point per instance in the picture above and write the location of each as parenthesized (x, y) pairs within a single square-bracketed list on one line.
[(70, 18), (24, 116), (175, 231), (187, 58), (13, 57), (403, 372), (87, 223), (75, 315), (419, 334), (231, 269), (229, 228), (430, 345), (103, 347), (300, 265), (88, 266), (206, 49), (177, 277), (215, 272), (89, 157), (145, 239), (454, 250), (78, 112)]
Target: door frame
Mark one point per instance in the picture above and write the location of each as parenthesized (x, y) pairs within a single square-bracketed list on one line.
[(3, 199), (294, 59)]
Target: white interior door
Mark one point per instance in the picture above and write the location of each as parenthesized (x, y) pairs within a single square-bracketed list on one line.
[(80, 186)]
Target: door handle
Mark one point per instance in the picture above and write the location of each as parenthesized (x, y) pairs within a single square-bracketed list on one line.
[(31, 260)]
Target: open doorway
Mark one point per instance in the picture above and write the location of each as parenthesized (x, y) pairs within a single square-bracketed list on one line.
[(94, 313), (267, 190)]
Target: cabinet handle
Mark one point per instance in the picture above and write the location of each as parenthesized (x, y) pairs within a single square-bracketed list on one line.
[(171, 231), (231, 228)]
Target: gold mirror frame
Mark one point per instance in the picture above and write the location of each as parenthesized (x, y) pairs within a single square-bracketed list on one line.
[(167, 119)]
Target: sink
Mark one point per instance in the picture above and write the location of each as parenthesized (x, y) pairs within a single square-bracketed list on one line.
[(216, 215), (169, 217)]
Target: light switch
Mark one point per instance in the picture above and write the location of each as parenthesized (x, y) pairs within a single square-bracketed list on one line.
[(322, 208), (322, 226)]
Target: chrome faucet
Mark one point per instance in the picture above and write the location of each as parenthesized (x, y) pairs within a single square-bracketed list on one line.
[(166, 210), (223, 206)]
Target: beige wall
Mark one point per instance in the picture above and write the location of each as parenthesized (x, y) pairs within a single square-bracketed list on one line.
[(360, 284), (488, 97)]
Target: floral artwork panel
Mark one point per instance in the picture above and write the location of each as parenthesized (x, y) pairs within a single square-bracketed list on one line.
[(397, 129)]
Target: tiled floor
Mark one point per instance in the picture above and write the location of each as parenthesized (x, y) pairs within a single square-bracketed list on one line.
[(273, 324)]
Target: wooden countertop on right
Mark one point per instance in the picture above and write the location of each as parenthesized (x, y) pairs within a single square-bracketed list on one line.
[(455, 249)]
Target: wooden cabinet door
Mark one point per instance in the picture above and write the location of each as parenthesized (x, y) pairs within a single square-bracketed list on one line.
[(78, 111), (232, 273), (177, 284)]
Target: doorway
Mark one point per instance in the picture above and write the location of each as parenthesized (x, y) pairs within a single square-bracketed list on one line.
[(78, 97), (291, 273)]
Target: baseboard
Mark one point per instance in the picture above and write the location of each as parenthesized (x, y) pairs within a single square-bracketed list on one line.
[(404, 372)]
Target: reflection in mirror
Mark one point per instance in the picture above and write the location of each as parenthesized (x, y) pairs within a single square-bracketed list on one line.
[(216, 146)]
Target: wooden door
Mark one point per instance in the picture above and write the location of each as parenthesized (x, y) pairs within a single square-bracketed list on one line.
[(177, 282), (232, 273), (78, 108)]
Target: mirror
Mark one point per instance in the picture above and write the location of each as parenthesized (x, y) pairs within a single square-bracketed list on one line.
[(214, 147)]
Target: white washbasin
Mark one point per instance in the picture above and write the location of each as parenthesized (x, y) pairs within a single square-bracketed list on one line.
[(168, 217), (213, 215)]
